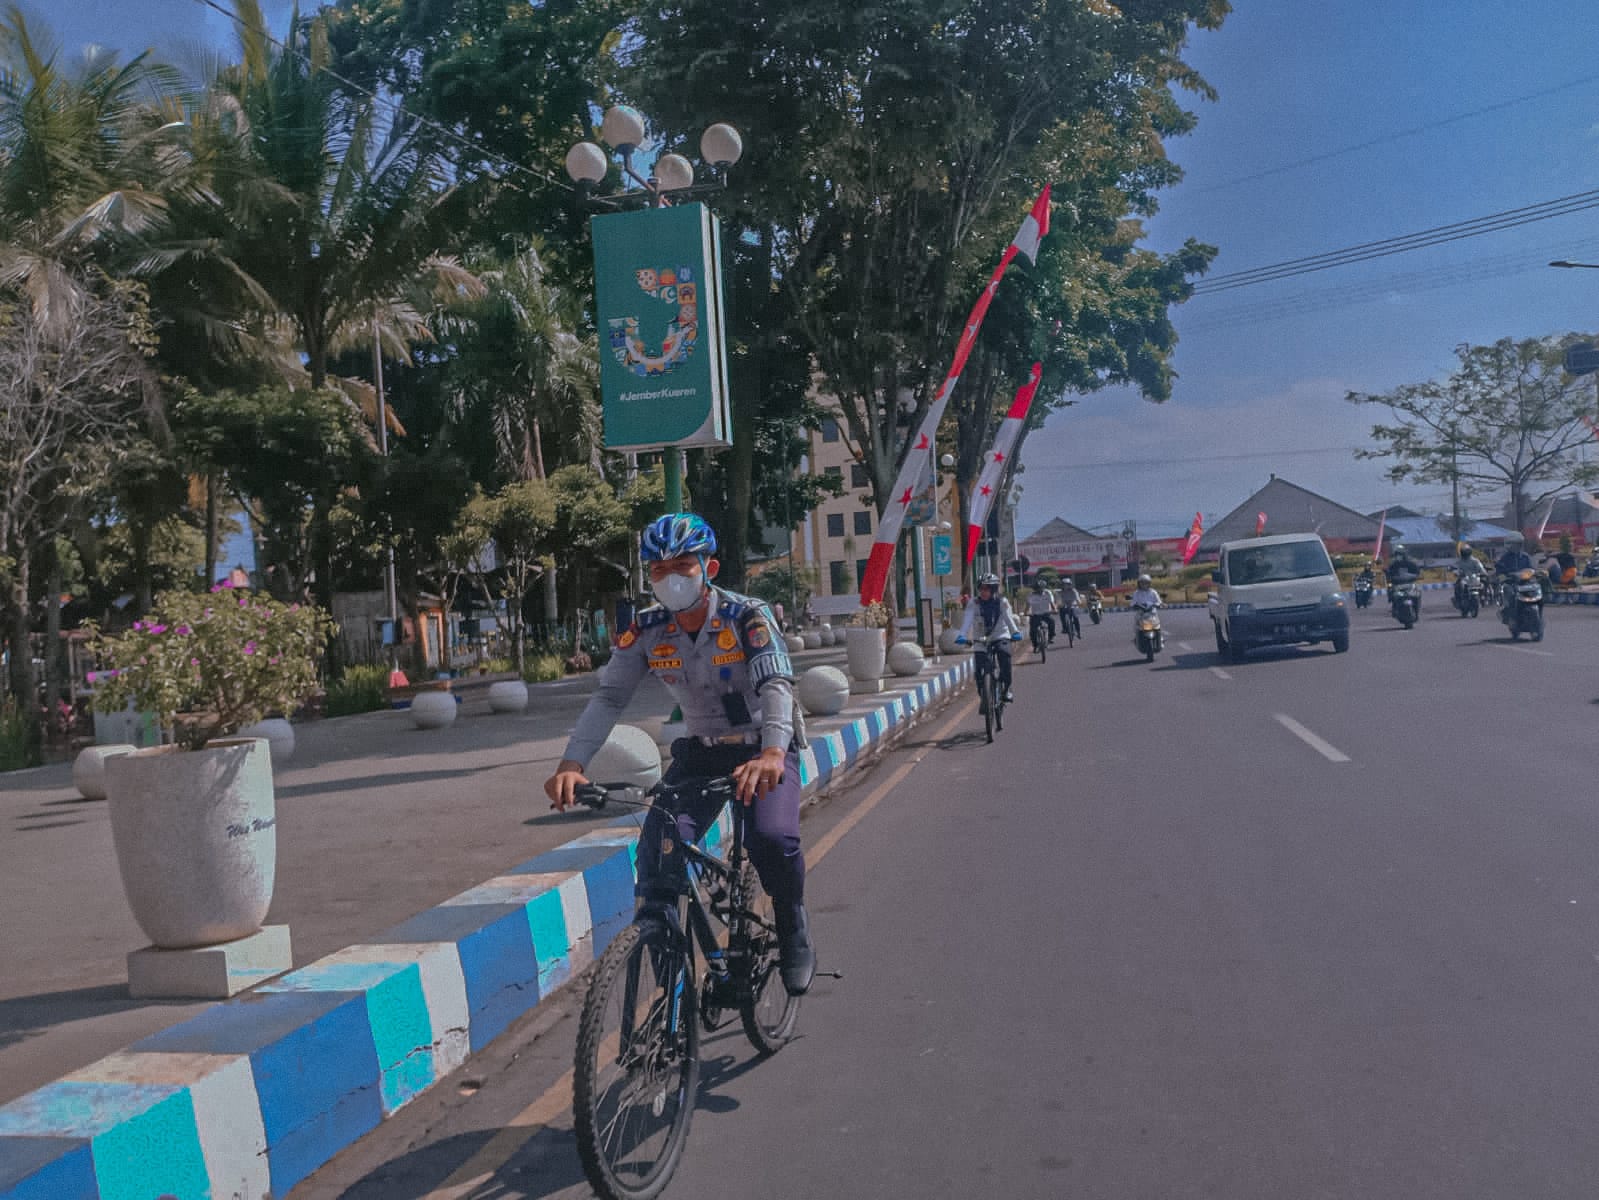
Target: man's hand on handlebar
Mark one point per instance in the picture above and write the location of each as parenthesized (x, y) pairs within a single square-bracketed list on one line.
[(760, 775), (562, 786)]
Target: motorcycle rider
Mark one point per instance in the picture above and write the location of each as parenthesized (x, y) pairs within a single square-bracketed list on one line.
[(990, 616), (1145, 594), (1041, 610), (1465, 567), (1403, 569), (1512, 562)]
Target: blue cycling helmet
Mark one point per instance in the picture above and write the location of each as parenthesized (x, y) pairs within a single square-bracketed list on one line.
[(676, 535)]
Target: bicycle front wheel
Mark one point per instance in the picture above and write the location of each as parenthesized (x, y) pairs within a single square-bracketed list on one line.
[(637, 1068), (767, 1010), (986, 702)]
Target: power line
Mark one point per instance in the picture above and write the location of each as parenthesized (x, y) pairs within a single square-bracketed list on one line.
[(1398, 135), (399, 109), (1436, 236)]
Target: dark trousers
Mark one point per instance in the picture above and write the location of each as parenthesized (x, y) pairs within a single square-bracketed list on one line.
[(771, 825), (1002, 653), (1047, 620)]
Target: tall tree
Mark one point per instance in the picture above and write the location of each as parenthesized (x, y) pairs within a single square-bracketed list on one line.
[(1508, 417)]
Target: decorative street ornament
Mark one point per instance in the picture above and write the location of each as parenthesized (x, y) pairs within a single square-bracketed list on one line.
[(916, 465)]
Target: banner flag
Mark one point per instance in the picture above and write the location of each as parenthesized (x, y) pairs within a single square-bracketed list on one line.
[(1260, 524), (1382, 524), (1191, 542), (998, 459), (1033, 230)]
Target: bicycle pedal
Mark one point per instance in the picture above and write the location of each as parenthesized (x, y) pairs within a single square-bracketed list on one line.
[(829, 975)]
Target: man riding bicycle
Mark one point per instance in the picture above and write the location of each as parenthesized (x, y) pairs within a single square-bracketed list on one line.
[(989, 617), (1041, 604), (1070, 601), (723, 660)]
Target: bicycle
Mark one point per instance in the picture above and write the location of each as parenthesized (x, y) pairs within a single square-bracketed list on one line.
[(991, 697), (649, 976), (1040, 633), (1071, 625)]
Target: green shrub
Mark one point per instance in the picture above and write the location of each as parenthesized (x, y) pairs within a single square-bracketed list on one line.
[(497, 666), (542, 668), (362, 689), (17, 748)]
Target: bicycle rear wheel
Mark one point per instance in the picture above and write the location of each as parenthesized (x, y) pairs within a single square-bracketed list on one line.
[(766, 1009), (1041, 644), (986, 702), (637, 1066)]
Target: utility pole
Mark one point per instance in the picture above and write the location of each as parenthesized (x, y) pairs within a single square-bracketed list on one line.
[(390, 590)]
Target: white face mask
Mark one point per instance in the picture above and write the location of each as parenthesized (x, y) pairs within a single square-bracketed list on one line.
[(679, 592)]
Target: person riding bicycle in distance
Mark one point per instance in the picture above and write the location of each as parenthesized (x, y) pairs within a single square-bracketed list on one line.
[(726, 665), (989, 616), (1041, 611)]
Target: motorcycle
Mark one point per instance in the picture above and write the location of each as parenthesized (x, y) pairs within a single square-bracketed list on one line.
[(1146, 631), (1405, 601), (1523, 606), (1096, 608), (1363, 590), (1590, 569), (1468, 595)]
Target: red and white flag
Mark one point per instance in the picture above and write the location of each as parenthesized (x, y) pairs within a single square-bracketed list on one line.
[(998, 459), (916, 464), (1260, 523), (1382, 523), (1191, 542)]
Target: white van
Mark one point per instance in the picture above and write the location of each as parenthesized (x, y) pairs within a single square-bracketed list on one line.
[(1277, 591)]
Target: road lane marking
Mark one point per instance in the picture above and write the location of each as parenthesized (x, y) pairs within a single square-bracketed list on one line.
[(1219, 673), (1185, 646), (1526, 650), (1328, 751), (481, 1168)]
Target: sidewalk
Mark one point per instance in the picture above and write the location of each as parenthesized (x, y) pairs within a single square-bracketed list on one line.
[(377, 821)]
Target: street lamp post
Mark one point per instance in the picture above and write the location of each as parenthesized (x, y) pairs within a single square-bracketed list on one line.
[(672, 178)]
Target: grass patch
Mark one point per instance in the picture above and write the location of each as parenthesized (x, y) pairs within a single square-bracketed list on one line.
[(543, 668)]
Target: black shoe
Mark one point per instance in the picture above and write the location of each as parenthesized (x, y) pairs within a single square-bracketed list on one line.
[(1010, 696), (796, 955)]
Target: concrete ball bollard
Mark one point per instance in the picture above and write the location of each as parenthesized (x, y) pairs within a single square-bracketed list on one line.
[(508, 696), (794, 642), (278, 733), (824, 691), (432, 710), (813, 640), (829, 635), (88, 769), (629, 756), (947, 643), (905, 658)]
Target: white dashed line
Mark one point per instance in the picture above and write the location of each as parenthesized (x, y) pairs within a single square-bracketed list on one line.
[(1219, 673), (1526, 650), (1328, 751)]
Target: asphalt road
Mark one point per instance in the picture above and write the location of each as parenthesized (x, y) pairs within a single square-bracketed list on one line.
[(1308, 926)]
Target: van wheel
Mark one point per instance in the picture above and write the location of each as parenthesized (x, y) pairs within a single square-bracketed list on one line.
[(1221, 642), (1340, 642)]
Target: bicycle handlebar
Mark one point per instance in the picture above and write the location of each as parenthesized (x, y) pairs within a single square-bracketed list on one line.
[(594, 795)]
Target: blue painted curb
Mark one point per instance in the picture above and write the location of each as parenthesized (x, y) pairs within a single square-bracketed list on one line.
[(257, 1092)]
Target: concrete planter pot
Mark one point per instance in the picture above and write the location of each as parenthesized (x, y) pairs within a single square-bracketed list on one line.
[(278, 732), (508, 696), (865, 650), (196, 839)]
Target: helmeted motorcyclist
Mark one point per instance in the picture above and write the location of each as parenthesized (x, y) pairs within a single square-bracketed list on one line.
[(1512, 562), (988, 616), (1466, 566), (1145, 594)]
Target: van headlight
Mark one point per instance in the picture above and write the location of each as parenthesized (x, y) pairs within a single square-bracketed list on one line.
[(1333, 600)]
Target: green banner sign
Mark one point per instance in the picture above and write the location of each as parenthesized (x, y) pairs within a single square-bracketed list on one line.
[(663, 357)]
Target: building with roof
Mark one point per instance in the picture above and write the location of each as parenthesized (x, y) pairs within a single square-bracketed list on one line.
[(1432, 539), (1290, 508), (1575, 512)]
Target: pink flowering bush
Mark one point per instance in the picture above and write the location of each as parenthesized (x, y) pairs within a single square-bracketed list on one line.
[(230, 658)]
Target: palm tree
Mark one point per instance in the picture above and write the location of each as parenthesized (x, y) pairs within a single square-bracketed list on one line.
[(521, 370)]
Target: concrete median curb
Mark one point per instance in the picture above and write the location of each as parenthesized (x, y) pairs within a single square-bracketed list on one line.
[(257, 1092)]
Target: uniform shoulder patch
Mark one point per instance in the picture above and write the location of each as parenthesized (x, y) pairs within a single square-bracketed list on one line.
[(629, 636)]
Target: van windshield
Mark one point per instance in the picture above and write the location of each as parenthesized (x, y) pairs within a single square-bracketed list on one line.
[(1276, 564)]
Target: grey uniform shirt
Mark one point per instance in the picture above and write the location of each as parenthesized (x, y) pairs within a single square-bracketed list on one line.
[(738, 650)]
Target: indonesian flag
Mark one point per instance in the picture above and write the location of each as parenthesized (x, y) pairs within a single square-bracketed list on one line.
[(1260, 523), (916, 464), (998, 459), (1382, 523), (1544, 524), (1191, 542)]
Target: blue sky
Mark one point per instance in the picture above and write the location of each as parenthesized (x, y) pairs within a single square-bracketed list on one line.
[(1297, 80), (1261, 392)]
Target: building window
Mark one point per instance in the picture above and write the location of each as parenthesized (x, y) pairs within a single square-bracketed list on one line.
[(859, 476), (829, 430), (860, 567), (863, 521), (838, 582), (834, 473), (835, 524)]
